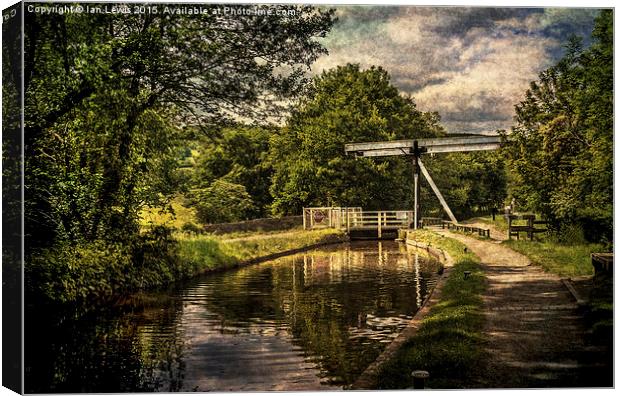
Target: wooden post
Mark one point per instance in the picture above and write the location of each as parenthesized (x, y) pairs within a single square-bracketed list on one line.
[(379, 224), (303, 217)]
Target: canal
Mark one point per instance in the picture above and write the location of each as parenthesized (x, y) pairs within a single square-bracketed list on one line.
[(314, 321)]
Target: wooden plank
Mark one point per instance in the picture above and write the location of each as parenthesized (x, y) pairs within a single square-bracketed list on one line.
[(422, 143), (602, 262), (520, 228), (521, 216), (434, 142), (462, 148), (392, 144), (381, 153), (303, 218)]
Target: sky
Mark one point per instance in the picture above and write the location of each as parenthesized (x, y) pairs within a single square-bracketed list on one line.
[(472, 65)]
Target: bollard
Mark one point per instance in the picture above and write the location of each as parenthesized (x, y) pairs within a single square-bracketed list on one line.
[(419, 378), (466, 274)]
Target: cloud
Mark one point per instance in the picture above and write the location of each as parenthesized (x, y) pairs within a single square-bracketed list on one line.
[(472, 65)]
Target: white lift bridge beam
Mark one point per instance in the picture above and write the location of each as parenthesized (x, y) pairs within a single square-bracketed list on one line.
[(416, 148), (426, 146)]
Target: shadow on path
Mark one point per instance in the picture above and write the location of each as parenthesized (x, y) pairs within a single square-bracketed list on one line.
[(536, 334)]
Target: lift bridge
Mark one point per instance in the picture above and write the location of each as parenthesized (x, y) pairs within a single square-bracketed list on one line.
[(355, 219)]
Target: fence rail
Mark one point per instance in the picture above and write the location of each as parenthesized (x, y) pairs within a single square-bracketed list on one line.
[(466, 228), (348, 219)]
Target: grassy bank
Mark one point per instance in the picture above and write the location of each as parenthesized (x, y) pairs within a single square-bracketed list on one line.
[(207, 253), (449, 342), (561, 259), (96, 273), (570, 257)]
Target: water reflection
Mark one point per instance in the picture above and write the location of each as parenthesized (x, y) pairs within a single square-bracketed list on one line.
[(309, 321)]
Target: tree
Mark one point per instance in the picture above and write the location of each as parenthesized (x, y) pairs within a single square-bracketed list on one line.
[(471, 183), (223, 202), (105, 94), (346, 105), (562, 156), (238, 155)]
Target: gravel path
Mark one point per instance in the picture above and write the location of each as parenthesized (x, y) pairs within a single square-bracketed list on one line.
[(534, 330)]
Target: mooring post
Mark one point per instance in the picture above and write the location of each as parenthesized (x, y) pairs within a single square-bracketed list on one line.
[(419, 378)]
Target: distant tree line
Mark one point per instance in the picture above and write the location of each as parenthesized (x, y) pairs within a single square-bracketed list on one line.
[(244, 172)]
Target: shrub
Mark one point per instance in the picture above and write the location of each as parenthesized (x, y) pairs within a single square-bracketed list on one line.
[(223, 202), (99, 270)]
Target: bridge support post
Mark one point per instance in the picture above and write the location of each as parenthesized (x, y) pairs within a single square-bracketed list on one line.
[(416, 186)]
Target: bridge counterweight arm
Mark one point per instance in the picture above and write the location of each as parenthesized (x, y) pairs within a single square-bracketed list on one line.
[(439, 145)]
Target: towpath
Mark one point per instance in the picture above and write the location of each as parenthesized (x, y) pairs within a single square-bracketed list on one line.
[(534, 330)]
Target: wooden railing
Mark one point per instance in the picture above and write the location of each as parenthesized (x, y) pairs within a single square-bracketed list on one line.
[(379, 220), (348, 219), (528, 228), (326, 217), (428, 221), (466, 228)]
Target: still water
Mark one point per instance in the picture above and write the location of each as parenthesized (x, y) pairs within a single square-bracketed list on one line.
[(314, 320)]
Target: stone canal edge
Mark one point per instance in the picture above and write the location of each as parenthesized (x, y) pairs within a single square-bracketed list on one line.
[(369, 377)]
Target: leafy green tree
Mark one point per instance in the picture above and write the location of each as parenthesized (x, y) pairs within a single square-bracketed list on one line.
[(222, 202), (346, 105), (562, 156), (471, 183), (238, 155), (105, 94)]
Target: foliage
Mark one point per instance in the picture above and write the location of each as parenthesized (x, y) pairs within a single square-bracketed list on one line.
[(177, 214), (96, 272), (108, 100), (349, 105), (99, 272), (237, 155), (346, 105), (471, 183), (222, 202), (562, 156), (449, 342), (564, 254), (106, 93), (499, 223), (562, 259)]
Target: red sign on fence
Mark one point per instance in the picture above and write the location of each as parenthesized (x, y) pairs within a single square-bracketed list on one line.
[(318, 216)]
